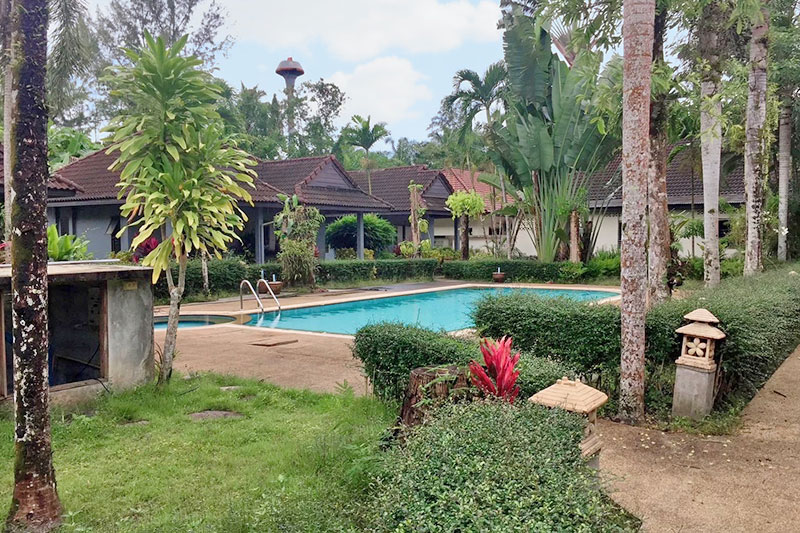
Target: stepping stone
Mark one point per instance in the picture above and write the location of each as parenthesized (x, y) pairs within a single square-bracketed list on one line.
[(137, 423), (230, 388), (211, 414)]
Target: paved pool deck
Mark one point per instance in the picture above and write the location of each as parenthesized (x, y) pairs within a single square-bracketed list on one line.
[(295, 359)]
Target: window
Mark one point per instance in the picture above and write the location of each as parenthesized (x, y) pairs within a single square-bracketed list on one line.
[(113, 229)]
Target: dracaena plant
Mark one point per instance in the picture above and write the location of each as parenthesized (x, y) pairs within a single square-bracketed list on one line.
[(498, 378), (181, 176)]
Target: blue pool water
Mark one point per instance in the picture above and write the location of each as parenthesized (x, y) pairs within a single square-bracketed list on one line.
[(446, 309), (193, 321)]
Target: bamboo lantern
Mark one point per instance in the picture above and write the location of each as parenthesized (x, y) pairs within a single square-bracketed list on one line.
[(699, 340), (576, 397)]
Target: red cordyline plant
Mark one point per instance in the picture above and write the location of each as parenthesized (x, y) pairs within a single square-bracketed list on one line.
[(499, 378)]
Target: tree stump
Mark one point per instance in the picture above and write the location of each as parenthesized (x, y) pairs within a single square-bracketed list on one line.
[(429, 386)]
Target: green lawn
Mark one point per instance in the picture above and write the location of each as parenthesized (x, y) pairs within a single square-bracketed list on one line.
[(296, 461)]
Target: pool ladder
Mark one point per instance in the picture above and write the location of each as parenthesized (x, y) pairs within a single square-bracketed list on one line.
[(246, 283)]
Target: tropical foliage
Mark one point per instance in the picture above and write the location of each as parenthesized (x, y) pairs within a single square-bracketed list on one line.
[(379, 233), (551, 136), (180, 175), (297, 226), (66, 247)]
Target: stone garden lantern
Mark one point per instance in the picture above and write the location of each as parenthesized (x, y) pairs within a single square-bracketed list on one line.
[(696, 372), (577, 397)]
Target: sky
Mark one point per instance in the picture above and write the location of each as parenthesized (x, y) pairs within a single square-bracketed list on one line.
[(394, 59)]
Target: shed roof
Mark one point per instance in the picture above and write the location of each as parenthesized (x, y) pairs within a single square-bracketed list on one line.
[(467, 180), (56, 185)]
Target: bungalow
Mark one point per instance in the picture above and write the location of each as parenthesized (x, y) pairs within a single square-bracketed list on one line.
[(684, 195), (93, 209), (391, 186)]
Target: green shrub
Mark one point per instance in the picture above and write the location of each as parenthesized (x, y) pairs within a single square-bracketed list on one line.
[(571, 272), (345, 270), (390, 351), (759, 314), (516, 270), (379, 233), (224, 275), (297, 262), (342, 254), (381, 269), (603, 264), (491, 466), (254, 271)]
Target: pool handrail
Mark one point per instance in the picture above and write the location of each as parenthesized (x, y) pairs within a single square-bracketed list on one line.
[(266, 283), (242, 285)]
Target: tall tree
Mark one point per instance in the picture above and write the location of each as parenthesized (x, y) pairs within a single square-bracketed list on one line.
[(710, 31), (637, 29), (785, 54), (658, 214), (756, 135), (364, 135), (475, 94), (181, 176), (35, 505)]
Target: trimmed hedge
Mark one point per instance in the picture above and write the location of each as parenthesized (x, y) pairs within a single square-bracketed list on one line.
[(390, 351), (223, 275), (521, 270), (383, 269), (759, 314), (492, 466)]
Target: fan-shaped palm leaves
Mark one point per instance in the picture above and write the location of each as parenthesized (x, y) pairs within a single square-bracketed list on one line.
[(363, 134)]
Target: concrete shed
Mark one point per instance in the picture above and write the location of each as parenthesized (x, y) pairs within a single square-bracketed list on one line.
[(101, 328)]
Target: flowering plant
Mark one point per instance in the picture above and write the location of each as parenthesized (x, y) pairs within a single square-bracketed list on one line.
[(499, 377)]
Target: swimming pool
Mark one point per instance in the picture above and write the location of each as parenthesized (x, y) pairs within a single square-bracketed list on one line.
[(444, 309), (193, 321)]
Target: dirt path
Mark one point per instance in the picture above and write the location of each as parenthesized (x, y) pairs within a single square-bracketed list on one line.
[(748, 481)]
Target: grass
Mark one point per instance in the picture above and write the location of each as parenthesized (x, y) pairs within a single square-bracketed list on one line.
[(294, 461)]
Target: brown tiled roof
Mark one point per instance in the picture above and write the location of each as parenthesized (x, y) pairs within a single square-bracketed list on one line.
[(684, 182), (292, 176), (391, 185), (55, 185), (466, 180)]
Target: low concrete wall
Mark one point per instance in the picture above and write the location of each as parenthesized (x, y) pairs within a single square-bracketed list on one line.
[(130, 332)]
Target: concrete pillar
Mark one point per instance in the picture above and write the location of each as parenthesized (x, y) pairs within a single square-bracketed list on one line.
[(693, 395), (431, 229), (456, 234), (259, 229), (360, 235)]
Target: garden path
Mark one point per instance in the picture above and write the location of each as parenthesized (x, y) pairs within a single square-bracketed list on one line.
[(747, 481)]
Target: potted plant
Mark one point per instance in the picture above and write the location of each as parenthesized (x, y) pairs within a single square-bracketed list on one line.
[(276, 286), (498, 277)]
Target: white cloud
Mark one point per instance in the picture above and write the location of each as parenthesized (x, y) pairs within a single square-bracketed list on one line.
[(387, 88), (356, 30)]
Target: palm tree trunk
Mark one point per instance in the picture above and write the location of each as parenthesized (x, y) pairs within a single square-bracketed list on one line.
[(204, 271), (637, 29), (712, 23), (35, 505), (711, 149), (784, 175), (755, 152), (659, 248), (369, 171), (8, 191)]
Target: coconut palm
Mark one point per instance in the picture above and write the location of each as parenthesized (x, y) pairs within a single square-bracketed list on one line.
[(637, 29), (755, 140), (35, 505), (364, 135), (475, 94)]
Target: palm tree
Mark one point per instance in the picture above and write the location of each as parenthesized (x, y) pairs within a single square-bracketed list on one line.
[(755, 140), (35, 505), (637, 29), (710, 32), (363, 135), (69, 56), (785, 49), (480, 95)]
